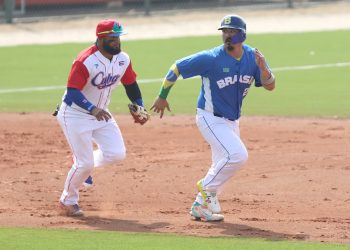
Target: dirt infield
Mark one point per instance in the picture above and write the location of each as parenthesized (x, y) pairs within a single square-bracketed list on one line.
[(295, 185)]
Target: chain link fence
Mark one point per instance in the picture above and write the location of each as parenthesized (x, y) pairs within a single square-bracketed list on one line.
[(24, 10)]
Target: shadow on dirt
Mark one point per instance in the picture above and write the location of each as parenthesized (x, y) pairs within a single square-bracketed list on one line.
[(194, 228), (109, 224), (239, 230)]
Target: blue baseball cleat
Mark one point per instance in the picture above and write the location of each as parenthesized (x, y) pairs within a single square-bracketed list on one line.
[(88, 182), (70, 210)]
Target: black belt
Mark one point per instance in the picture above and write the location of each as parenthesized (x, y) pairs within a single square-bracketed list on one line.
[(218, 115)]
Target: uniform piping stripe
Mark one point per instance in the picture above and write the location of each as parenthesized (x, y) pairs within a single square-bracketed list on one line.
[(101, 94), (223, 148), (99, 99), (65, 124), (109, 93), (110, 88), (70, 181)]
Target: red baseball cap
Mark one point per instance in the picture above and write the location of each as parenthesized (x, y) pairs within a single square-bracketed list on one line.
[(109, 27)]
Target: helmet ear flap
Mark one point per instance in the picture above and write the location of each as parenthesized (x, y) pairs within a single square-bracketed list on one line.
[(239, 37)]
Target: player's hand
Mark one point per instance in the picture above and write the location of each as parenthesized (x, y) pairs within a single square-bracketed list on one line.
[(260, 60), (159, 105), (101, 114)]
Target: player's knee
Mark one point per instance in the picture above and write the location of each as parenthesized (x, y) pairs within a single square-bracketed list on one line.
[(120, 155), (86, 165), (243, 156), (116, 155), (240, 157)]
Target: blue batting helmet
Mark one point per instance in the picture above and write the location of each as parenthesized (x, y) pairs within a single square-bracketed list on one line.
[(233, 22)]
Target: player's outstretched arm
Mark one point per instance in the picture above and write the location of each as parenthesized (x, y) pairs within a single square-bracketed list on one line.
[(160, 102)]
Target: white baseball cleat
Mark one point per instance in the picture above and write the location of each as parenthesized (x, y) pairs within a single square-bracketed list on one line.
[(200, 212), (210, 198), (71, 210)]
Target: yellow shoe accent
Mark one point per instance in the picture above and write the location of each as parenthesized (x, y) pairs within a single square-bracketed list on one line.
[(202, 191)]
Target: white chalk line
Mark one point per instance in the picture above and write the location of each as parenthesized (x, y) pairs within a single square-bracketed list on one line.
[(144, 81)]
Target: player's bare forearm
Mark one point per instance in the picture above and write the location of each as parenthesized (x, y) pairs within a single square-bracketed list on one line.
[(268, 79), (269, 87), (265, 73)]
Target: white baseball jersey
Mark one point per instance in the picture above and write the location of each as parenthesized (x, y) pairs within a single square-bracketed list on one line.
[(96, 76)]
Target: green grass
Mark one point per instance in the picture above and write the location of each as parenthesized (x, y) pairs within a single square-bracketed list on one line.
[(313, 92), (304, 93), (81, 239)]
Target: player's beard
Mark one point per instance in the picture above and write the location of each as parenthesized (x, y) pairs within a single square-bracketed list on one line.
[(111, 50), (230, 47), (228, 44)]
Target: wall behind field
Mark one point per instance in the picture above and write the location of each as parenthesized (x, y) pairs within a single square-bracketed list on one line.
[(12, 11)]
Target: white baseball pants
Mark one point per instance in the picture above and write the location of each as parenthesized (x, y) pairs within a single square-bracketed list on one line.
[(228, 151), (81, 130)]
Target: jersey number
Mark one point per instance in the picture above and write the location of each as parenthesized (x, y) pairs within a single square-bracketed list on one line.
[(245, 92)]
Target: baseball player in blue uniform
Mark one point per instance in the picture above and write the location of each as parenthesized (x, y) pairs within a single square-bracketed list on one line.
[(227, 72)]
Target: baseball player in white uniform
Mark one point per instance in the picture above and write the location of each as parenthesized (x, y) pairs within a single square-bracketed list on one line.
[(83, 114), (227, 72)]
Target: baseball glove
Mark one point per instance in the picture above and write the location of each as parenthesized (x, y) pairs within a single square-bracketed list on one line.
[(139, 113)]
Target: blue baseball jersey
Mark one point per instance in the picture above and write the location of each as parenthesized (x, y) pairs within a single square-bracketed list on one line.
[(225, 80)]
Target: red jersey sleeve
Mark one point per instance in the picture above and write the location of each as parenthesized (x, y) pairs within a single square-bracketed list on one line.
[(129, 76), (78, 76)]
